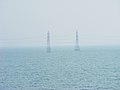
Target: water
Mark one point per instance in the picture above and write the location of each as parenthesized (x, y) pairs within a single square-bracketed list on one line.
[(63, 69)]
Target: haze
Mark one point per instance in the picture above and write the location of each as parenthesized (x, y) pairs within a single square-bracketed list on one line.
[(26, 22)]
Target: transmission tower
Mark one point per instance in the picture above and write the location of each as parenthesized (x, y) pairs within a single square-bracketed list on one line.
[(48, 42), (77, 42)]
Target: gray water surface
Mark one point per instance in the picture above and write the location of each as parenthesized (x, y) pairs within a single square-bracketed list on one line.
[(63, 69)]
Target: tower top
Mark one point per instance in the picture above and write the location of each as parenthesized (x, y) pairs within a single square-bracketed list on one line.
[(48, 32), (76, 31)]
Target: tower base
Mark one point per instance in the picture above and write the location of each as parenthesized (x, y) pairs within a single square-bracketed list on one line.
[(77, 49), (48, 50)]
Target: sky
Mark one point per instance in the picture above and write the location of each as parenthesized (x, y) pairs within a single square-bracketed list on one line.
[(26, 22)]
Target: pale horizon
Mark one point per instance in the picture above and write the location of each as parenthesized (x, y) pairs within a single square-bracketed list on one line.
[(25, 23)]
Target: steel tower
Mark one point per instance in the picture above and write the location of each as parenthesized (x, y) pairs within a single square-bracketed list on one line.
[(48, 42), (77, 42)]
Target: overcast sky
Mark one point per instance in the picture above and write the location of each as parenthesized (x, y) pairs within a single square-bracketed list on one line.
[(26, 22)]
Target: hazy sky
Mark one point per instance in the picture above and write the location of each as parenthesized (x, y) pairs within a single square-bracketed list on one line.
[(26, 22)]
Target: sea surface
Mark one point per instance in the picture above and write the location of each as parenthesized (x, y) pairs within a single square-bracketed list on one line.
[(91, 68)]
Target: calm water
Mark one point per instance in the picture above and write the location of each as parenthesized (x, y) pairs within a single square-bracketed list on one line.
[(63, 69)]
